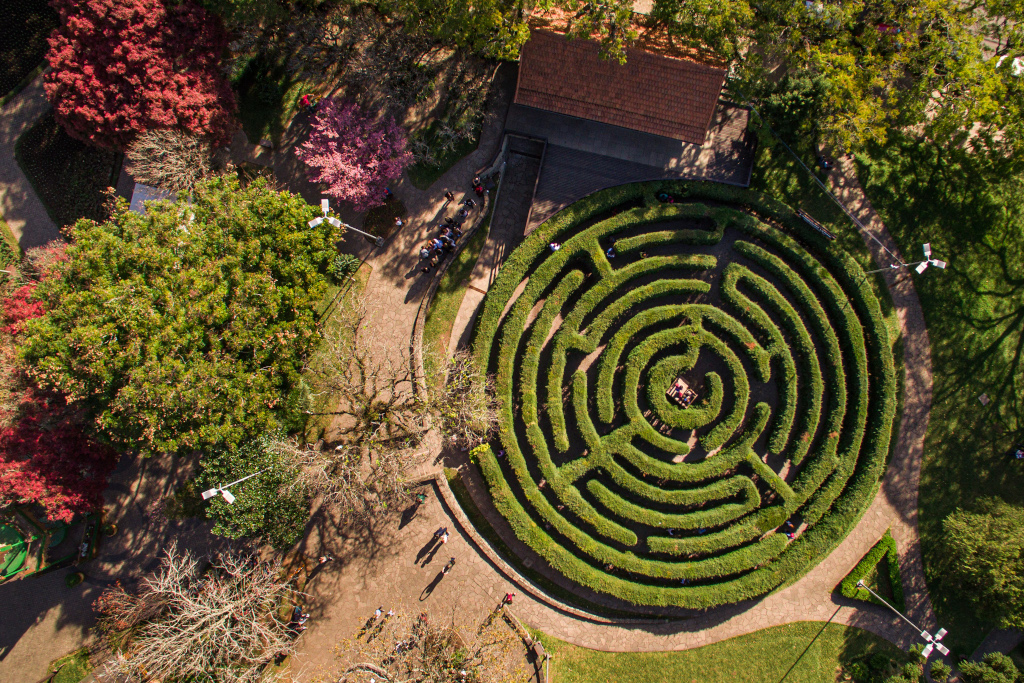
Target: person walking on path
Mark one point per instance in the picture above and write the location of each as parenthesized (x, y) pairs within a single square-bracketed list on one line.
[(507, 600), (449, 197), (440, 532), (448, 566), (444, 537)]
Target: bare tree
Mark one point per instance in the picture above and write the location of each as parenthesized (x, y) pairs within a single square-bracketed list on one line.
[(378, 417), (360, 487), (169, 159), (464, 408), (371, 394), (184, 623), (407, 649)]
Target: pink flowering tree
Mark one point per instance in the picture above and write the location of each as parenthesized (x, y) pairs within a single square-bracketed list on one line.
[(353, 155), (119, 67)]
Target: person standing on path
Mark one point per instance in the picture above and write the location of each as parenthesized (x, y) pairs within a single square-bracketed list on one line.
[(449, 197), (444, 537), (507, 600)]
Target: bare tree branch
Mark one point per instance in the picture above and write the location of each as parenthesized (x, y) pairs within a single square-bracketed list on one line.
[(407, 649), (169, 159), (184, 623)]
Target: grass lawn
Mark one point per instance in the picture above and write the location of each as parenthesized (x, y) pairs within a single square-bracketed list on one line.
[(76, 667), (423, 175), (268, 97), (973, 216), (803, 652), (69, 176), (23, 33), (9, 249), (353, 289), (437, 329)]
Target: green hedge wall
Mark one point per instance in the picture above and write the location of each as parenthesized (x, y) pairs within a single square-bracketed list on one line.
[(598, 474)]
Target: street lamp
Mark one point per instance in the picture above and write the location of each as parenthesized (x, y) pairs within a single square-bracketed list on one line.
[(223, 490), (921, 265), (325, 207), (933, 641)]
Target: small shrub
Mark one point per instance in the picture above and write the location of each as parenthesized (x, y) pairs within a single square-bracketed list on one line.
[(344, 266), (940, 671)]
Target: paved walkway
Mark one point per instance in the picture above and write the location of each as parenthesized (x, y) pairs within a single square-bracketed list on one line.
[(42, 619), (511, 211), (19, 205)]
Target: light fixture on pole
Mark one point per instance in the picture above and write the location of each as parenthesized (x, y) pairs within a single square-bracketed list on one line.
[(921, 266), (932, 640), (325, 206), (928, 260), (223, 490)]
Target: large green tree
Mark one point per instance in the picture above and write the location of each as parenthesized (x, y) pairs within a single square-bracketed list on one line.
[(186, 327), (985, 559), (881, 63)]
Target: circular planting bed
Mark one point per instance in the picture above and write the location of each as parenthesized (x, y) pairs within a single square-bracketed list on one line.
[(696, 419)]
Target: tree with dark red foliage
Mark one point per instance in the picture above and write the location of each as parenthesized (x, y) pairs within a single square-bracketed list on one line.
[(46, 458), (119, 67)]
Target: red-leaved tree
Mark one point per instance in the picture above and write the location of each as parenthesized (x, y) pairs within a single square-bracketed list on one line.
[(46, 458), (124, 66), (353, 155)]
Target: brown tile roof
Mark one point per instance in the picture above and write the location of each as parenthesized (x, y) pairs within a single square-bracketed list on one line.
[(651, 93)]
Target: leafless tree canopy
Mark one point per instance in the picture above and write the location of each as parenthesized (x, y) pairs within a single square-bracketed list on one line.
[(464, 408), (358, 486), (378, 417), (187, 624), (372, 395), (169, 159), (408, 649)]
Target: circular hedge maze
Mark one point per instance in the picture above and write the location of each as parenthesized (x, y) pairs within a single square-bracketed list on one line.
[(695, 417)]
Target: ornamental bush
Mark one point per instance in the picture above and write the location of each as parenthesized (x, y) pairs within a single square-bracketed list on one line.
[(120, 67), (184, 328), (627, 493), (353, 155)]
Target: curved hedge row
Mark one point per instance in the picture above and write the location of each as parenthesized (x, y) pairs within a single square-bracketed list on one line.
[(627, 493)]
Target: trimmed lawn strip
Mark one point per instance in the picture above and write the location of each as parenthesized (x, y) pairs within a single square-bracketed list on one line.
[(802, 652), (69, 176), (971, 213), (10, 251), (437, 329)]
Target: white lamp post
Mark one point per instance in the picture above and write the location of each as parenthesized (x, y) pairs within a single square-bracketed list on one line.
[(921, 265), (325, 207), (933, 641), (223, 490)]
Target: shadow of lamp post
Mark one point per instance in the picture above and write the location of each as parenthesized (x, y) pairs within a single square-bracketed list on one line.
[(933, 641)]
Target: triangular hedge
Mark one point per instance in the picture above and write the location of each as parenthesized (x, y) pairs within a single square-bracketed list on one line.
[(885, 557)]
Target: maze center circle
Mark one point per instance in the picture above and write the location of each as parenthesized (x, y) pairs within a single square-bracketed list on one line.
[(695, 403)]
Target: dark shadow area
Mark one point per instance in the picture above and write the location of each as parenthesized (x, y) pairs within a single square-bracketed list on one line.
[(69, 176), (431, 586), (23, 33)]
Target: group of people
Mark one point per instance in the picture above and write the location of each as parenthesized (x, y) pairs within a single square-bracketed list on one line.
[(450, 232)]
